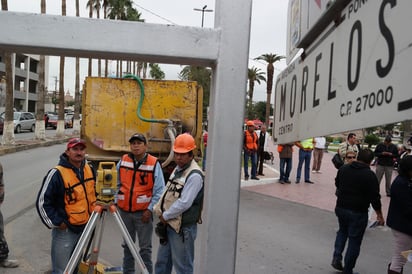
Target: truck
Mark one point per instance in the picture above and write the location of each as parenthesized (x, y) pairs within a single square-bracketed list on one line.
[(113, 109)]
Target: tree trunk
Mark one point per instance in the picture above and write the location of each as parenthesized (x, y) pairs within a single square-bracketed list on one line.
[(76, 117)]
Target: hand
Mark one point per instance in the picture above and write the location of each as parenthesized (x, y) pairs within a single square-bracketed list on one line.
[(162, 219), (63, 226), (146, 216), (380, 219)]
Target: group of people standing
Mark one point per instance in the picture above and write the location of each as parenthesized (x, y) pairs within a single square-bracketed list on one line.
[(68, 195), (357, 187), (255, 145)]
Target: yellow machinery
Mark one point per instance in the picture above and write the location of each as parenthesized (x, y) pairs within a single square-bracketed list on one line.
[(115, 108)]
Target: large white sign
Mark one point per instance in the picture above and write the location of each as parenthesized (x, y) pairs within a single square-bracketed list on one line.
[(357, 75)]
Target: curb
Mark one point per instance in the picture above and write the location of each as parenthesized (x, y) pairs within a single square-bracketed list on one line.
[(31, 143)]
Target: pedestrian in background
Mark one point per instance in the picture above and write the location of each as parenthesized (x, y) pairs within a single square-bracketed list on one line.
[(262, 147), (319, 147), (356, 188), (285, 162), (140, 185), (305, 154), (4, 248), (250, 146), (179, 209), (349, 145), (399, 217), (350, 157), (66, 200), (386, 154)]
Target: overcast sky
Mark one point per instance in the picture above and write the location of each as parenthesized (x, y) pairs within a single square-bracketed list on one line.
[(268, 30)]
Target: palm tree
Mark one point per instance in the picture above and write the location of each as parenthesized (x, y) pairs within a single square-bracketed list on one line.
[(106, 5), (118, 9), (269, 58), (60, 123), (8, 130), (254, 75), (156, 72), (40, 133), (95, 5)]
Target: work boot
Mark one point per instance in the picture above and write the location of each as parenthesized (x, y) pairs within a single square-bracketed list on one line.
[(9, 263)]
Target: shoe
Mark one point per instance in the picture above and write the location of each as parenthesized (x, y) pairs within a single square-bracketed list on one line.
[(9, 263), (318, 171), (255, 178), (309, 182), (261, 174), (337, 264), (287, 182), (247, 177), (297, 181), (281, 182), (313, 171)]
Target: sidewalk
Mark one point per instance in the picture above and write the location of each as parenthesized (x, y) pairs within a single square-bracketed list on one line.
[(321, 194)]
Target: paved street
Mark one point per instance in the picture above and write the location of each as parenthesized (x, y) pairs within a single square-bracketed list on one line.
[(282, 229)]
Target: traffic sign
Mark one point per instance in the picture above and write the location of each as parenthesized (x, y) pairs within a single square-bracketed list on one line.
[(355, 75)]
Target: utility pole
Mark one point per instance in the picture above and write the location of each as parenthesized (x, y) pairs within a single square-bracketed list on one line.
[(203, 10), (55, 92)]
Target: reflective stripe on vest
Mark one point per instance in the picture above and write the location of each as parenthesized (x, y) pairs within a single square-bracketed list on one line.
[(80, 197), (136, 184)]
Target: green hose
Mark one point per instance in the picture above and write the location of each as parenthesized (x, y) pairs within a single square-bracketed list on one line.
[(139, 106)]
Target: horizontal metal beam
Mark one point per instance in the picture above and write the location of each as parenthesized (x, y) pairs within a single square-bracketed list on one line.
[(86, 37)]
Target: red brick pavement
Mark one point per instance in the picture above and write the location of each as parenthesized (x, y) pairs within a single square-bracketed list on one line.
[(321, 194)]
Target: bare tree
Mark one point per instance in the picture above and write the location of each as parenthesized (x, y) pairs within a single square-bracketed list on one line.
[(61, 122)]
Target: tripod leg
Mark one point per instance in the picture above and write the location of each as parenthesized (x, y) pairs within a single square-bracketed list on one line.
[(97, 239), (74, 259), (128, 240)]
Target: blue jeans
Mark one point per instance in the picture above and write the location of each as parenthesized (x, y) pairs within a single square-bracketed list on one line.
[(253, 158), (179, 251), (134, 225), (285, 166), (352, 226), (304, 156), (62, 246)]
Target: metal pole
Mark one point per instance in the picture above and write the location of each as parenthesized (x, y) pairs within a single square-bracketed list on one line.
[(203, 10)]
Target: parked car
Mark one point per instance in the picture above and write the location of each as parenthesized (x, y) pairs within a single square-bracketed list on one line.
[(53, 118), (22, 121)]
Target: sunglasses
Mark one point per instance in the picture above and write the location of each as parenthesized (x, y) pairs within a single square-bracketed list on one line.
[(350, 157)]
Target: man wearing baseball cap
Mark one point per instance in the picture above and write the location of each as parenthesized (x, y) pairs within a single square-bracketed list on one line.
[(140, 185), (66, 200)]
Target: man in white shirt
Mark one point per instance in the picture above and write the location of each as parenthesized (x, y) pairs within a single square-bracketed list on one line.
[(319, 147)]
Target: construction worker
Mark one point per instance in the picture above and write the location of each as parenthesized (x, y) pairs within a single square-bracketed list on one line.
[(66, 201), (250, 147), (4, 249), (179, 210), (140, 183)]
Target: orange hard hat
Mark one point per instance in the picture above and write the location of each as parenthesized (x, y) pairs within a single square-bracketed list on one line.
[(250, 123), (184, 143)]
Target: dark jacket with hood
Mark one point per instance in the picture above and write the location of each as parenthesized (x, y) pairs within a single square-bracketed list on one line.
[(357, 187), (400, 206), (50, 202)]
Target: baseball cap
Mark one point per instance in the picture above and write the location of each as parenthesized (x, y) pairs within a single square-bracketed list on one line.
[(137, 136), (75, 142)]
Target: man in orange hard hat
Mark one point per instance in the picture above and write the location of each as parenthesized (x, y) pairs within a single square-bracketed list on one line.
[(179, 210), (250, 147)]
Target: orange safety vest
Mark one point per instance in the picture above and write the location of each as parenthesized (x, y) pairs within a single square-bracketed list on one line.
[(251, 141), (136, 183), (80, 196)]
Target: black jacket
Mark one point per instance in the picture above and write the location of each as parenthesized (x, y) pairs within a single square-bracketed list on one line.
[(357, 187), (386, 160), (400, 206)]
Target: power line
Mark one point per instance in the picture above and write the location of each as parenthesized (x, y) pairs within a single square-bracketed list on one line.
[(157, 15)]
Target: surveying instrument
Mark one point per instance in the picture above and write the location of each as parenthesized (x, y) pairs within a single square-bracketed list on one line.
[(106, 189)]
